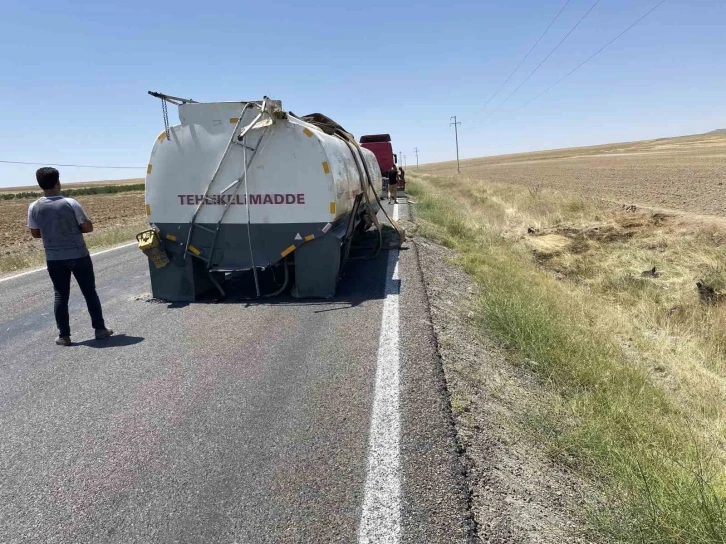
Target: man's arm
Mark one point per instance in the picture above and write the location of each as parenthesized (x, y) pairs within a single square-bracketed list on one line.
[(32, 225), (84, 223)]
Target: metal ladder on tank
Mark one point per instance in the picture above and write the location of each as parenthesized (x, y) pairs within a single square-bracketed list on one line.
[(235, 139)]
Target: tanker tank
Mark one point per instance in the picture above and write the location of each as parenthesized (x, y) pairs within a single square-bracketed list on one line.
[(248, 186)]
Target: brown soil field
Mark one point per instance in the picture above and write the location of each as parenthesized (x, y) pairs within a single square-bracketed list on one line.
[(78, 185), (112, 215), (685, 173)]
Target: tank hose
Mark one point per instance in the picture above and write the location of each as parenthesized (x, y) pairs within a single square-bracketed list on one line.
[(330, 127), (401, 236), (373, 214), (399, 231)]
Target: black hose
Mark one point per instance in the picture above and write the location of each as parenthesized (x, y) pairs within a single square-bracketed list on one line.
[(348, 142)]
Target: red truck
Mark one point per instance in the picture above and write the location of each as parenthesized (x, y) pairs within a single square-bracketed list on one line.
[(380, 146)]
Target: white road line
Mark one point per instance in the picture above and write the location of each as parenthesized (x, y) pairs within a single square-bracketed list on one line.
[(381, 517), (42, 269)]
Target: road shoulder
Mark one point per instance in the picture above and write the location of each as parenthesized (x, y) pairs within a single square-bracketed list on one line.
[(516, 493), (435, 505)]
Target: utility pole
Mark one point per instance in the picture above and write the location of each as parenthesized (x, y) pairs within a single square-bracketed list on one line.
[(415, 150), (456, 133), (400, 158)]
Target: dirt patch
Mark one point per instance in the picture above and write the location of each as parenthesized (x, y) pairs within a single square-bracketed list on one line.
[(624, 238), (108, 212), (549, 244), (104, 210), (618, 226), (519, 495)]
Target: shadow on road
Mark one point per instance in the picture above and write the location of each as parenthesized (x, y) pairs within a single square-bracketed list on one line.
[(116, 341)]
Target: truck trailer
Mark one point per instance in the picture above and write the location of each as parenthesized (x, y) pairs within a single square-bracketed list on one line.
[(241, 186)]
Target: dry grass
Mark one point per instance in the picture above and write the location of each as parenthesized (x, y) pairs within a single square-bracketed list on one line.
[(607, 249), (639, 361)]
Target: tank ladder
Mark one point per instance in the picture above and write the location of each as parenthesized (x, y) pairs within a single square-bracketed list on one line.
[(235, 139)]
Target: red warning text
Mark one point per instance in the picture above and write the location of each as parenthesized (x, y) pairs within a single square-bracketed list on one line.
[(240, 200)]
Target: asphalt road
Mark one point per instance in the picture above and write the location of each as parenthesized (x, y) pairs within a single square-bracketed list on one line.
[(232, 423)]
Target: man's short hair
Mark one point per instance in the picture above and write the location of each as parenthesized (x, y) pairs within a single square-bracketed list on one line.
[(47, 177)]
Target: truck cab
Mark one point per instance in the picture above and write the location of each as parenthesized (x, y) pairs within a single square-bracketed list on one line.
[(380, 146)]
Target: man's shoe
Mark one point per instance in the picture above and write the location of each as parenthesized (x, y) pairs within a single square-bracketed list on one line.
[(63, 340), (103, 333)]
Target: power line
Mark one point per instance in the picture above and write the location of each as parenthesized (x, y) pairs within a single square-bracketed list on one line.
[(74, 165), (528, 54), (588, 59), (545, 59)]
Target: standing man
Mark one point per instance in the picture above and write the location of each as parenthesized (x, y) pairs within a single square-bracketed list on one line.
[(61, 223), (402, 177), (392, 184)]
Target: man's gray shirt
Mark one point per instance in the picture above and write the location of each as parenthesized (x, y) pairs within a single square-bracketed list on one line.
[(59, 219)]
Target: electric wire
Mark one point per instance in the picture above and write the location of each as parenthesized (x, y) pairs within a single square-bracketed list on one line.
[(528, 54), (544, 60), (73, 165), (588, 59)]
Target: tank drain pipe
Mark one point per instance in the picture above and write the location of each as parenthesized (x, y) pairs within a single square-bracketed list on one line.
[(243, 138), (280, 290), (249, 221)]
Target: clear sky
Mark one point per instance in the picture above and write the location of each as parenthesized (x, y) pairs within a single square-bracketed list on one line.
[(74, 75)]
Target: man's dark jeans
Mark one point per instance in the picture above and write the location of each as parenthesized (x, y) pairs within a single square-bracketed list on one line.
[(60, 274)]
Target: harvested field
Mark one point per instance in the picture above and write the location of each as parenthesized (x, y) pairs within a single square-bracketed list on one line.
[(686, 173), (116, 217), (79, 185)]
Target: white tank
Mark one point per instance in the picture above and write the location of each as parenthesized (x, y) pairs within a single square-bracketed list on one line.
[(298, 175), (299, 198)]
